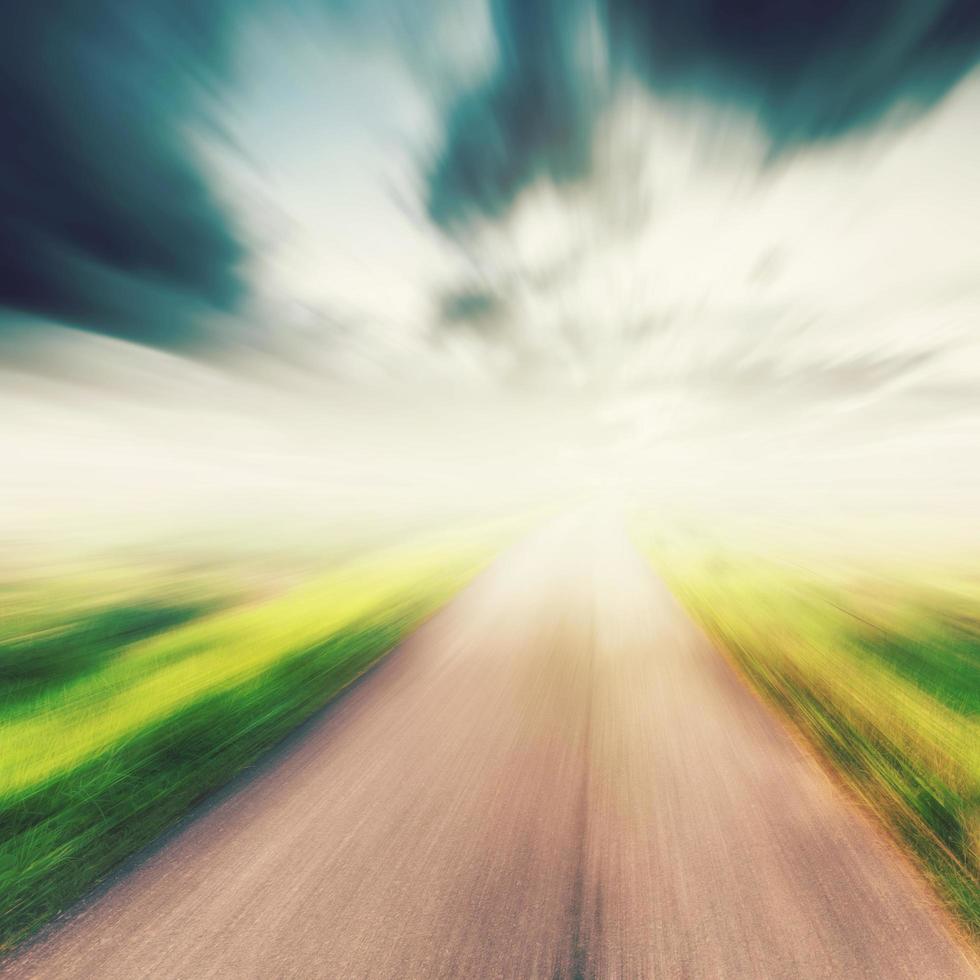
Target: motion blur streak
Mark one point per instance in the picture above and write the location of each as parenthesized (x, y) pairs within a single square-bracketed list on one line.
[(556, 777), (713, 258), (291, 287)]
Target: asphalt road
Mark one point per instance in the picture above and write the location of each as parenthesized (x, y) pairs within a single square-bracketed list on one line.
[(556, 777)]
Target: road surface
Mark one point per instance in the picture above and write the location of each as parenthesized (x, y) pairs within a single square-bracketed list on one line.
[(556, 777)]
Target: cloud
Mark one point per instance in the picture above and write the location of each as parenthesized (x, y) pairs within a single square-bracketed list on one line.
[(475, 308), (107, 221), (530, 118), (808, 71), (811, 382)]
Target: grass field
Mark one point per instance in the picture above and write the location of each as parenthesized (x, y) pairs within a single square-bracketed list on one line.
[(879, 669), (125, 698)]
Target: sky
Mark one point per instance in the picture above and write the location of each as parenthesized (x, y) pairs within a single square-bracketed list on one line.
[(329, 260)]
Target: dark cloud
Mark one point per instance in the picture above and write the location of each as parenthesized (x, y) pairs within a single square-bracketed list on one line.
[(107, 221), (530, 118), (471, 307), (809, 69)]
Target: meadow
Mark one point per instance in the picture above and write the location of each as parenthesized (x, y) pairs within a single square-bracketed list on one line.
[(128, 694), (877, 664)]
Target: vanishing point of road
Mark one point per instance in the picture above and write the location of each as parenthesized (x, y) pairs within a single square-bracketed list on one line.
[(557, 776)]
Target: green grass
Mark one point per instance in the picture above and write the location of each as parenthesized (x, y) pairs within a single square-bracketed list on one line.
[(80, 644), (117, 716), (881, 672)]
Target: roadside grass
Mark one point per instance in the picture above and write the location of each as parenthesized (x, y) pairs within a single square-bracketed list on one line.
[(130, 715), (57, 652), (881, 672)]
